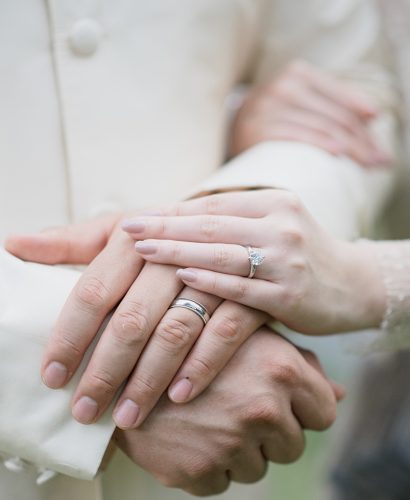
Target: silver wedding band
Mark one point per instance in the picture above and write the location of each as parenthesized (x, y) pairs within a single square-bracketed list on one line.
[(255, 257), (193, 306)]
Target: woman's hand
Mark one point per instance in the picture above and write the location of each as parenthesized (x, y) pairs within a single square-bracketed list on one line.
[(306, 104), (308, 280)]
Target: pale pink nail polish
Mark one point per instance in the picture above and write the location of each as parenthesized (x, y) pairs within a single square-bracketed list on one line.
[(85, 410), (55, 375), (133, 226), (125, 416), (180, 392), (146, 248), (186, 275)]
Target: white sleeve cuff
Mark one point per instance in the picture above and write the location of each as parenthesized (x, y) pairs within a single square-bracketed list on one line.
[(343, 196), (35, 422)]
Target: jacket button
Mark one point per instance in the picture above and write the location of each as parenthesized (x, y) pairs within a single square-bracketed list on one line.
[(84, 37)]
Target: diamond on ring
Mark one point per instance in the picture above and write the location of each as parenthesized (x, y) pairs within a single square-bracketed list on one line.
[(255, 257)]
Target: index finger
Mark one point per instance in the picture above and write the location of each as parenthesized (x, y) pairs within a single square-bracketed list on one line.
[(98, 290), (252, 203)]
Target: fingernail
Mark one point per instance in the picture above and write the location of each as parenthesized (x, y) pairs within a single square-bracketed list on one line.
[(133, 226), (85, 410), (185, 275), (180, 392), (125, 416), (55, 375), (145, 247)]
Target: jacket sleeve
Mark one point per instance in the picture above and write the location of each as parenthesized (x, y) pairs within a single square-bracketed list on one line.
[(36, 425)]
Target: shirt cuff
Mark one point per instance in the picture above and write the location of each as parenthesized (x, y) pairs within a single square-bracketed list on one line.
[(35, 422)]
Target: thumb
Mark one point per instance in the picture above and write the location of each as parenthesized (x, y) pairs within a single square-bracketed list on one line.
[(71, 244)]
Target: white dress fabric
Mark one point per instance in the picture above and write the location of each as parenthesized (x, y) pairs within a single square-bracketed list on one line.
[(108, 106)]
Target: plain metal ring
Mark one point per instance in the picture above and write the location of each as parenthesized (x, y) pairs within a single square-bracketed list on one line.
[(193, 306)]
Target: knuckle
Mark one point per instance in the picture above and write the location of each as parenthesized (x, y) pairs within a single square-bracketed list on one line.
[(65, 344), (201, 468), (178, 209), (241, 290), (212, 204), (221, 257), (102, 382), (208, 227), (227, 329), (92, 293), (201, 366), (290, 298), (131, 328), (174, 333), (143, 384), (286, 371), (292, 235), (176, 251), (293, 452), (232, 446), (263, 412), (290, 202)]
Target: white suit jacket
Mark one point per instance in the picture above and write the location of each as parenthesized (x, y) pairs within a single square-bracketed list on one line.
[(107, 106)]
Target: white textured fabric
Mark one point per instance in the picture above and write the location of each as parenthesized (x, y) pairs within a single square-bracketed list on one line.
[(35, 422)]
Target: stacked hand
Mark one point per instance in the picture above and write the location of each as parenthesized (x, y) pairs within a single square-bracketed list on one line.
[(307, 279), (255, 411)]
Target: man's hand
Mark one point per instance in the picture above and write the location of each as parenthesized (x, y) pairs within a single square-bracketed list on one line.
[(141, 325), (254, 412), (306, 104)]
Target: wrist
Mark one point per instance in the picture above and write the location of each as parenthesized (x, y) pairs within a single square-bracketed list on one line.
[(364, 281)]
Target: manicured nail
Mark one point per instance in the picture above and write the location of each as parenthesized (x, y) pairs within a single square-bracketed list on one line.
[(55, 375), (186, 275), (180, 392), (85, 410), (125, 416), (133, 226), (145, 247)]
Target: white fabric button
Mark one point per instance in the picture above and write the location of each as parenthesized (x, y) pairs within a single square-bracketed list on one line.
[(44, 476), (85, 36), (15, 464)]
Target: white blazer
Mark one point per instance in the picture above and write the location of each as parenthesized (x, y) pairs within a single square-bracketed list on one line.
[(107, 106)]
